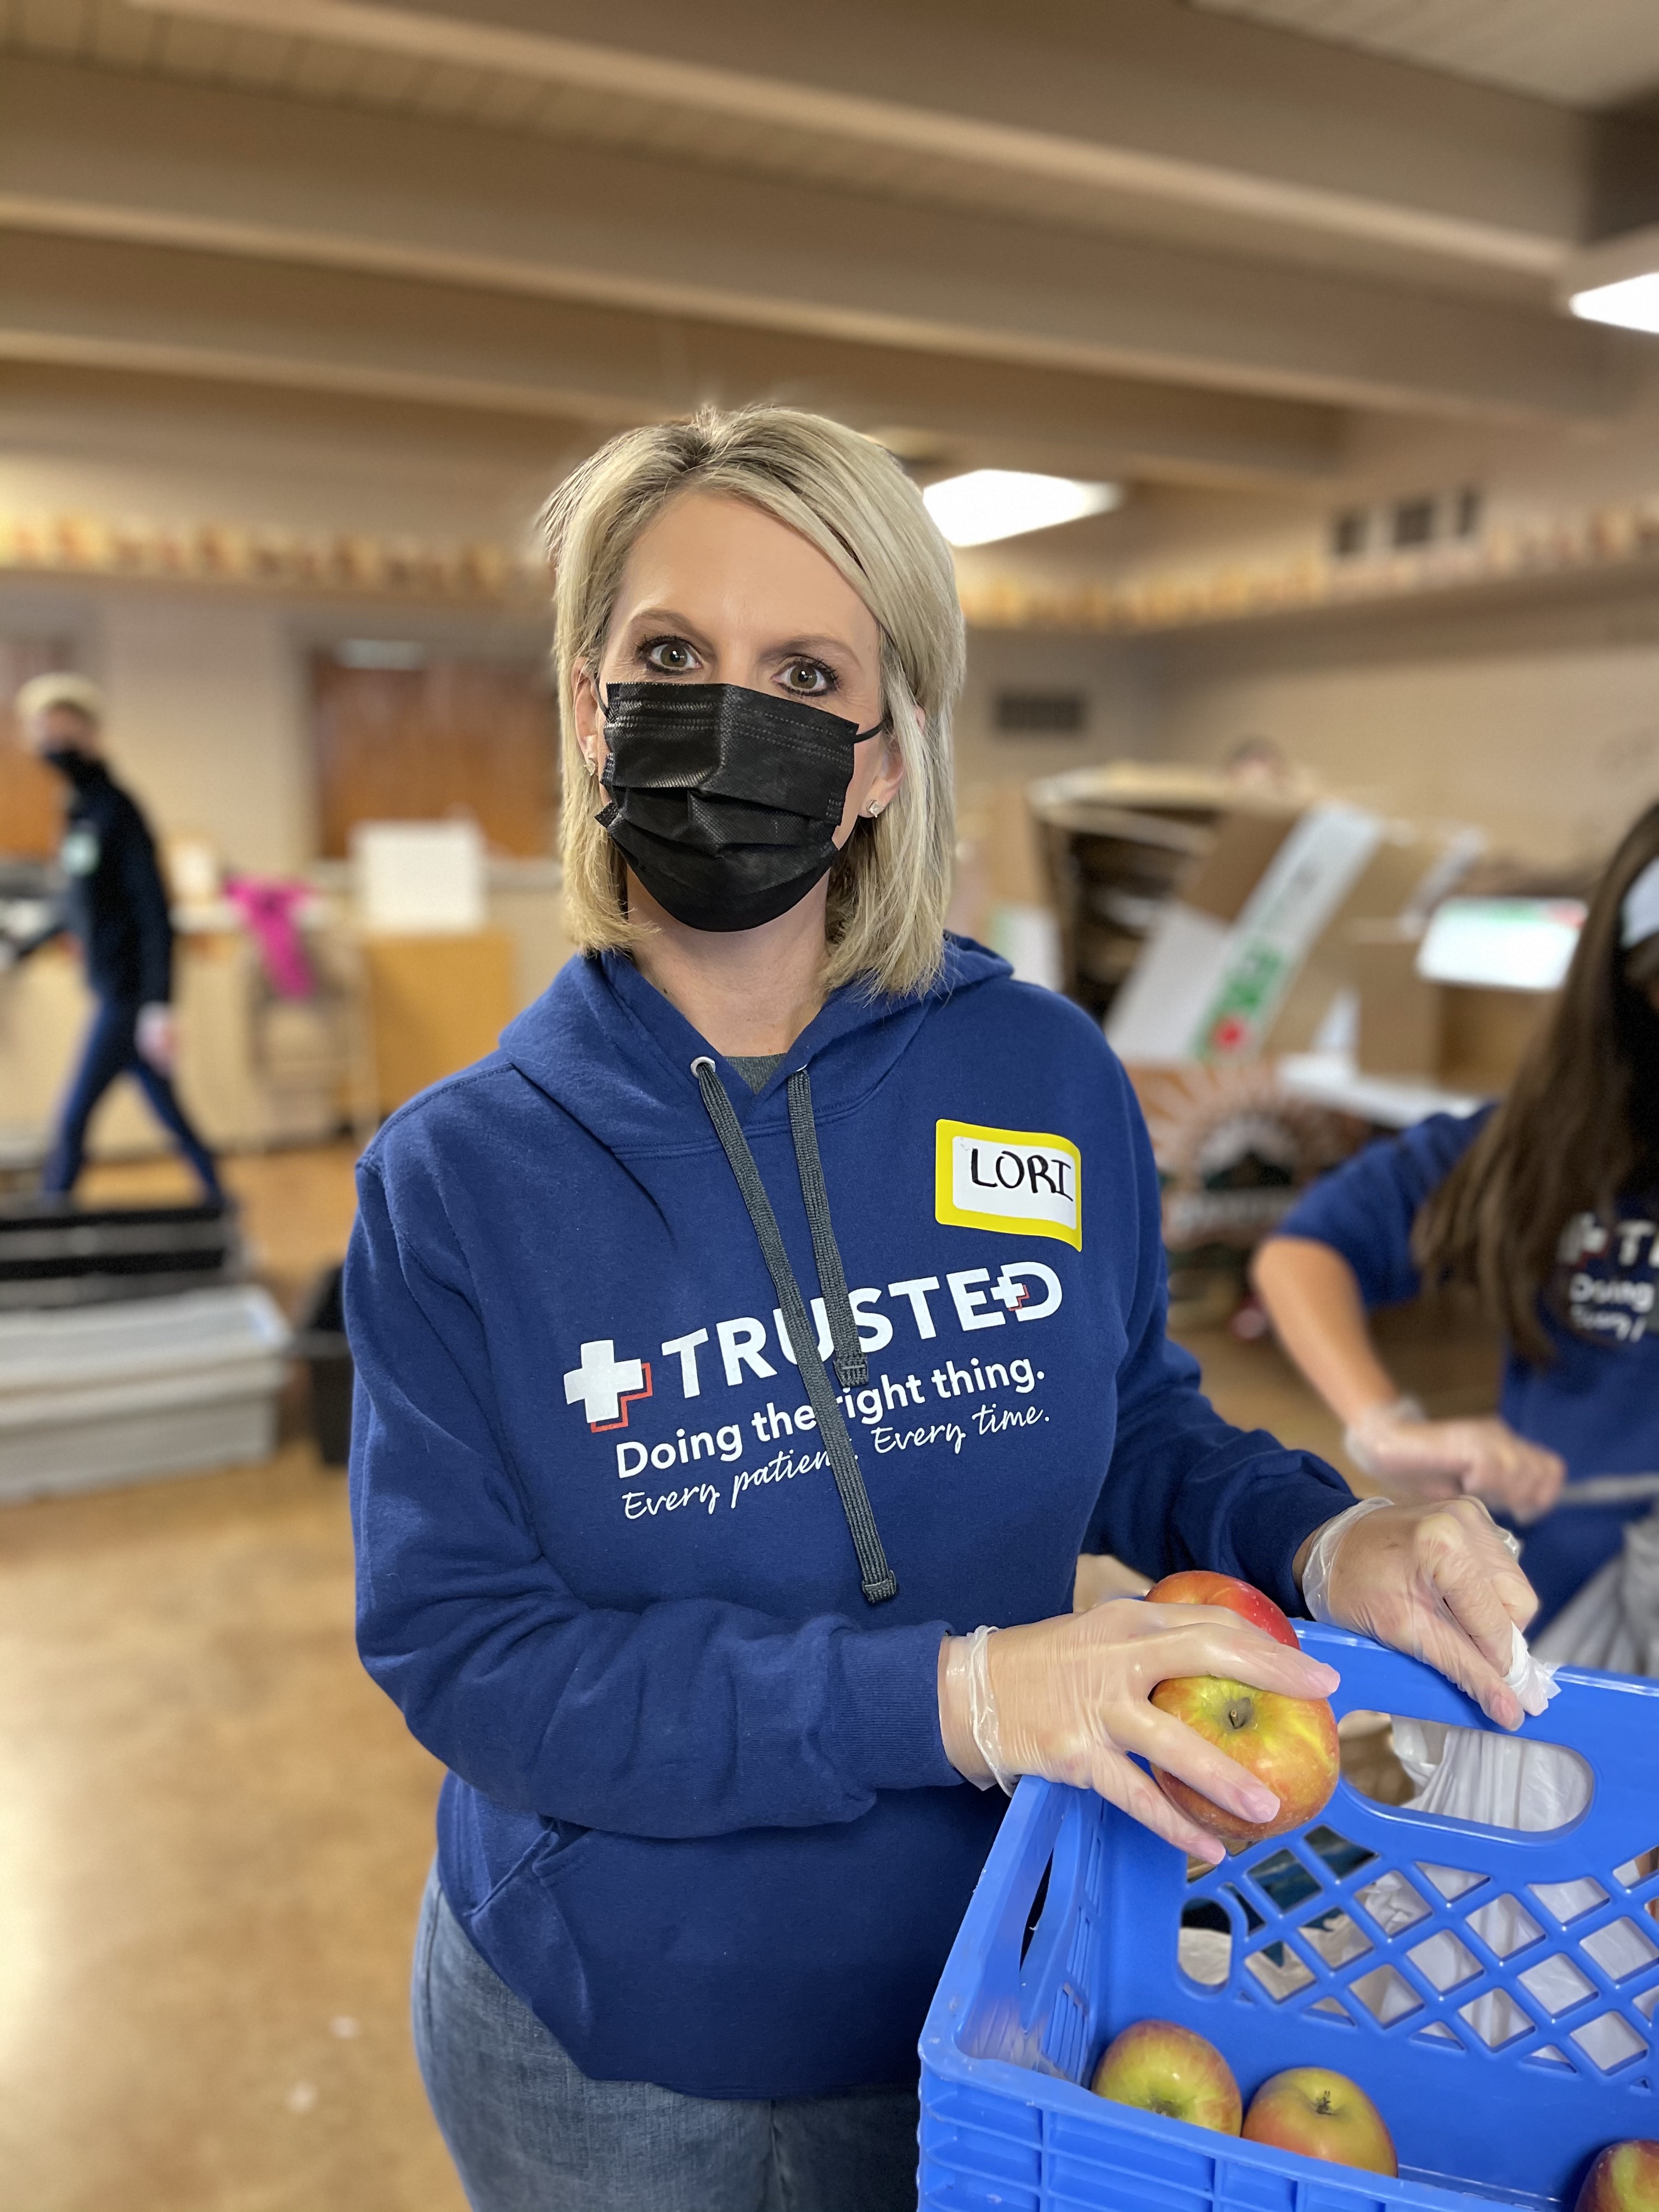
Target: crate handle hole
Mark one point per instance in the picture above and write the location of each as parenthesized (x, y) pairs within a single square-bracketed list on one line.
[(1548, 1787)]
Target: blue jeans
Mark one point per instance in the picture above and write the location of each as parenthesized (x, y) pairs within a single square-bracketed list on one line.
[(530, 2133), (111, 1050)]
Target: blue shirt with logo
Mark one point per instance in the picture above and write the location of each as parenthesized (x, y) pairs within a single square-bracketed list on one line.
[(1597, 1403), (698, 1815)]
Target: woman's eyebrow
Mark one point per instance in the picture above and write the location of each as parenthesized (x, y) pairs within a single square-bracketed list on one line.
[(816, 645), (664, 618)]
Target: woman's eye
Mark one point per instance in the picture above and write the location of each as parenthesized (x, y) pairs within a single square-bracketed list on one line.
[(808, 676), (672, 655)]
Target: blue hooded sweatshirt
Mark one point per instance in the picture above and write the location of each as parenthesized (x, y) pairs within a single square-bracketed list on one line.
[(1597, 1403), (698, 1815)]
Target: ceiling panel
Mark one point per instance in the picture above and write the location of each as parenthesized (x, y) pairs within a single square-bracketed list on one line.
[(336, 71), (120, 38), (54, 26), (1583, 53)]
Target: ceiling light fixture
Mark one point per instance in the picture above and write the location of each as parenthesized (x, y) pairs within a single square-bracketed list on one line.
[(1632, 304), (987, 504), (1616, 281)]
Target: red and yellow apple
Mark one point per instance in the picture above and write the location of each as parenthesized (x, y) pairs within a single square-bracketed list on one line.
[(1288, 1743), (1197, 1586), (1624, 2179), (1322, 2115), (1164, 2068)]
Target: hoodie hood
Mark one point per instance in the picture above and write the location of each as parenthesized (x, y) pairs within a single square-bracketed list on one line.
[(608, 1047)]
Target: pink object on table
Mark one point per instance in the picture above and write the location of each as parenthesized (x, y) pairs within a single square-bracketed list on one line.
[(268, 907)]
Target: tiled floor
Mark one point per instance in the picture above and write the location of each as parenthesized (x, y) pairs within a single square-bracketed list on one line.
[(213, 1829)]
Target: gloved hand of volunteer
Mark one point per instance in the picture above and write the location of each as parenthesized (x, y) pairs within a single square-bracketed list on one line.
[(1413, 1458), (1069, 1698), (1438, 1581)]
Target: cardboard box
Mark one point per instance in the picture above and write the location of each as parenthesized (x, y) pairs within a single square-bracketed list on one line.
[(1466, 1037), (1401, 1019), (1261, 941), (1485, 1034), (1003, 896), (435, 1003)]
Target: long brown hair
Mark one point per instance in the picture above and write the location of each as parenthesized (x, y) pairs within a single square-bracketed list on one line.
[(1578, 1131)]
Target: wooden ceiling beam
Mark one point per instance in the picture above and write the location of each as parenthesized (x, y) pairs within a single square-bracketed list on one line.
[(98, 303), (1142, 99), (96, 154)]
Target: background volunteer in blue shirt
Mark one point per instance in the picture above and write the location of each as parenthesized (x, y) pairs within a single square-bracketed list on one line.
[(782, 1302), (1548, 1204), (115, 905)]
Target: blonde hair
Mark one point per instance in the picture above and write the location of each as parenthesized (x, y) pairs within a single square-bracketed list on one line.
[(849, 498), (59, 689)]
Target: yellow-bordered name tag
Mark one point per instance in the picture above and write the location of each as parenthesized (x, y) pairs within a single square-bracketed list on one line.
[(1022, 1181)]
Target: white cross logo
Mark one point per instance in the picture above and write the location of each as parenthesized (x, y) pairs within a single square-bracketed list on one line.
[(605, 1384)]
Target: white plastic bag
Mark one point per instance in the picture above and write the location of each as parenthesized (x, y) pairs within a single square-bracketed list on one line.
[(1612, 1624), (1506, 1782)]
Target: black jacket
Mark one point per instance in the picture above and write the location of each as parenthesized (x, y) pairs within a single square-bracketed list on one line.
[(115, 901)]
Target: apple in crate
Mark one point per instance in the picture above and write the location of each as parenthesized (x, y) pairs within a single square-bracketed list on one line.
[(1322, 2115), (1288, 1743), (1164, 2068), (1624, 2179)]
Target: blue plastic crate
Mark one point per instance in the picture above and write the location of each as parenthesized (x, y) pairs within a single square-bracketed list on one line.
[(1493, 2091)]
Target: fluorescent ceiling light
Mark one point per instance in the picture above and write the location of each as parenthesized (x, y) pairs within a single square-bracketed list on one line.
[(1633, 304), (990, 503)]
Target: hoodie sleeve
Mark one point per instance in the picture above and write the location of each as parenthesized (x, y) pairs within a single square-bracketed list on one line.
[(147, 906), (1365, 1209), (688, 1718), (1185, 1488)]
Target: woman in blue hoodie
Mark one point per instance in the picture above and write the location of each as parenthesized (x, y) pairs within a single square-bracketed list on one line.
[(1546, 1206), (745, 1352)]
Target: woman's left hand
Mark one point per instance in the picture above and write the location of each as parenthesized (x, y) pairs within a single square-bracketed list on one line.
[(1436, 1581)]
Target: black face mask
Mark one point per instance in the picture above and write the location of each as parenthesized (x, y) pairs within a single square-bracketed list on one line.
[(724, 801), (71, 762)]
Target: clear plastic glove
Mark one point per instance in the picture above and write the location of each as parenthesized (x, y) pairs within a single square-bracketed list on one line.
[(1070, 1698), (1438, 1581), (157, 1037), (1413, 1458)]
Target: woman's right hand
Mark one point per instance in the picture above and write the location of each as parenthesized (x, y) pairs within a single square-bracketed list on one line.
[(1071, 1700), (1417, 1460)]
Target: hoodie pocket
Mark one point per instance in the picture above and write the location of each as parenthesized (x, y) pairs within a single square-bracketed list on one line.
[(565, 1845)]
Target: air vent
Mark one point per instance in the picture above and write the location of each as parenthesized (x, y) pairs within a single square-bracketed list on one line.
[(1404, 524), (1041, 714)]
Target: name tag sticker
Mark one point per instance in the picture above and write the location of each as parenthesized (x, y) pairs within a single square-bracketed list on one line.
[(1018, 1180)]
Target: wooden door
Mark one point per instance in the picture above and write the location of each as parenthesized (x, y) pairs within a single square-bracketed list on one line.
[(418, 745), (31, 797)]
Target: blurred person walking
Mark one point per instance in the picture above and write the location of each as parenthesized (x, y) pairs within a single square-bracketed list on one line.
[(116, 907)]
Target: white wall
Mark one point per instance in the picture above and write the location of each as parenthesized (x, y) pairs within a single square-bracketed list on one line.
[(1541, 723), (208, 722), (1111, 676)]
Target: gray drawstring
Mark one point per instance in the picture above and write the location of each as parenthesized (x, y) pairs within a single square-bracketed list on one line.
[(878, 1579), (851, 1364)]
